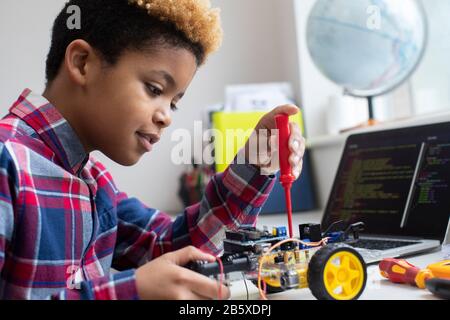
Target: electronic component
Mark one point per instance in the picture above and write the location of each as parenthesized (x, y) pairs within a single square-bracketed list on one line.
[(252, 239), (283, 263), (310, 231), (231, 263), (279, 231)]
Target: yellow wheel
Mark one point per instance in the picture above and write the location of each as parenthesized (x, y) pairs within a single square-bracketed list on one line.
[(337, 272)]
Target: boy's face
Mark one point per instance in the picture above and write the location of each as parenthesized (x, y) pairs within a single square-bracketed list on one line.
[(128, 105)]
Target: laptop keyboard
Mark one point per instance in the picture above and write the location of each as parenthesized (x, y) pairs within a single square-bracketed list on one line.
[(374, 244)]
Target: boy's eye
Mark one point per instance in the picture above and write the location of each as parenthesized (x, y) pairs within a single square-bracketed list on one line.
[(154, 90), (157, 92)]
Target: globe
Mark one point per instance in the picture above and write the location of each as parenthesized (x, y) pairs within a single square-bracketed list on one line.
[(369, 47)]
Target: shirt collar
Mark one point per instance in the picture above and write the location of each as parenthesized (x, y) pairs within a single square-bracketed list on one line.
[(53, 129)]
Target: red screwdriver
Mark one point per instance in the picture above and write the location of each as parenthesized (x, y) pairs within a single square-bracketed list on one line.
[(286, 176)]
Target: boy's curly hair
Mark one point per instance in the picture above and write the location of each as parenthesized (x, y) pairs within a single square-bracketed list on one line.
[(113, 26), (194, 18)]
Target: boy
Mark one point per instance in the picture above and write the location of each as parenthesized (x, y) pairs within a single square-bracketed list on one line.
[(111, 86)]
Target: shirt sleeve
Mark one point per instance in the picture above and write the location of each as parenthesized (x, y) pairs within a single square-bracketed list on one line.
[(8, 192), (231, 200), (120, 285)]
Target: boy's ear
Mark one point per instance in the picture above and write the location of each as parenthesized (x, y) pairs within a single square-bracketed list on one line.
[(79, 60)]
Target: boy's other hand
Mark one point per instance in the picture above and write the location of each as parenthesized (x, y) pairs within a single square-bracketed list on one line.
[(165, 278), (267, 158)]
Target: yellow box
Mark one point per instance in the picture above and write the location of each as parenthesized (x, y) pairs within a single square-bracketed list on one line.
[(235, 128)]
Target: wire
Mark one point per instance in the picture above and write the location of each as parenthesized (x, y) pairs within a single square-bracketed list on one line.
[(262, 291), (264, 288), (221, 277), (245, 283)]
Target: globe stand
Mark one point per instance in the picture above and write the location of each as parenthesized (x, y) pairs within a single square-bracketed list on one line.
[(371, 121)]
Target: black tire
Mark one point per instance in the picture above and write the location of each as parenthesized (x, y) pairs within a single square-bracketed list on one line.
[(317, 265)]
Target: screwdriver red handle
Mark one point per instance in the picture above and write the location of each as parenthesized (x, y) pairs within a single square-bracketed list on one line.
[(398, 271), (401, 271), (286, 176)]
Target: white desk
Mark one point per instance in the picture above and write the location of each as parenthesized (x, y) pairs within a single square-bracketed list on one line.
[(377, 288)]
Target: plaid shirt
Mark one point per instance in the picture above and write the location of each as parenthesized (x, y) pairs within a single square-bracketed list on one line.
[(64, 224)]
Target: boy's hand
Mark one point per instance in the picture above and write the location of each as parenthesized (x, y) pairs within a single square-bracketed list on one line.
[(165, 279), (265, 156)]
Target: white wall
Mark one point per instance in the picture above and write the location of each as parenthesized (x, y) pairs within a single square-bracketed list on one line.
[(259, 46), (24, 41), (431, 83)]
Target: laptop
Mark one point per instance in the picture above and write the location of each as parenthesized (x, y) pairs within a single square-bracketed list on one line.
[(398, 183)]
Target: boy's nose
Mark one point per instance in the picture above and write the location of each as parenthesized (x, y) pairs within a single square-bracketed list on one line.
[(162, 118)]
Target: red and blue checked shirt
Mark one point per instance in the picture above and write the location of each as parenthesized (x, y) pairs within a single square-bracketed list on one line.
[(64, 224)]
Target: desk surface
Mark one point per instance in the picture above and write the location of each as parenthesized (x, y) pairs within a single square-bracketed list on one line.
[(377, 288)]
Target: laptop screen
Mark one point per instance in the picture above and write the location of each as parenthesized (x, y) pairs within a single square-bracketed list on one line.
[(396, 181)]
